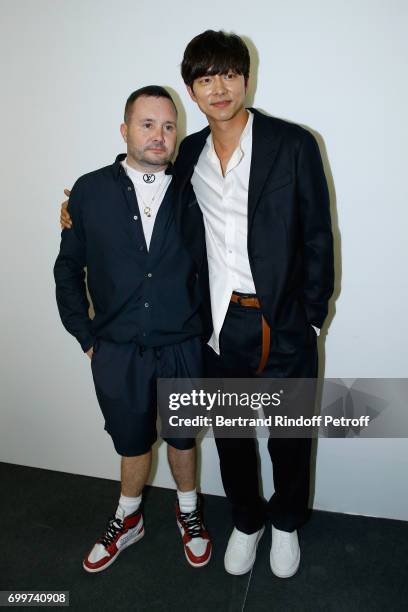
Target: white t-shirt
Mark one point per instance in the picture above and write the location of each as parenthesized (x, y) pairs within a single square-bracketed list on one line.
[(150, 189)]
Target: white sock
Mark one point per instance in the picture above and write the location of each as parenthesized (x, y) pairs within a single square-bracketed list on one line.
[(128, 505), (187, 500)]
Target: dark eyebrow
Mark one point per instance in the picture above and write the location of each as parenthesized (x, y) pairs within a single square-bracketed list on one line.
[(153, 120)]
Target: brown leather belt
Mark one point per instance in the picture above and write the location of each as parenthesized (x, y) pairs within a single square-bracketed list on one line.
[(253, 302)]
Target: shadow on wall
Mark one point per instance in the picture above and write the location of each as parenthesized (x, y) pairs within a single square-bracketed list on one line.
[(336, 243), (181, 117)]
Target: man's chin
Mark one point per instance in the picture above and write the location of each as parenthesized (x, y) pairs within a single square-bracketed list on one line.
[(222, 114), (156, 159)]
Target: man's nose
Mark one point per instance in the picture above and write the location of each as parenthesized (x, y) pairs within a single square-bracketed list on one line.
[(158, 134), (219, 84)]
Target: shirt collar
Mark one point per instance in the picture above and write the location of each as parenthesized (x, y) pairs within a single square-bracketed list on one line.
[(240, 150), (118, 168), (138, 175)]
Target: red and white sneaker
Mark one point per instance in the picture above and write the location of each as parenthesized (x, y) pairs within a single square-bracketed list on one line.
[(196, 541), (120, 533)]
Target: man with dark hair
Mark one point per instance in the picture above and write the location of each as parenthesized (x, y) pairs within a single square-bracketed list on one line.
[(254, 214), (213, 53), (124, 233), (151, 91)]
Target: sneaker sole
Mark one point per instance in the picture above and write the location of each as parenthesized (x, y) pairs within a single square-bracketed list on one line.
[(250, 565), (108, 563), (291, 572), (203, 563)]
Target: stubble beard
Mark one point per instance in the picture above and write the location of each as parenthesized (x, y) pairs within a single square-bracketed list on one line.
[(148, 163)]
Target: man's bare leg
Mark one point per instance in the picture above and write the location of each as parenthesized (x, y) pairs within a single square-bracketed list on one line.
[(134, 473), (183, 467)]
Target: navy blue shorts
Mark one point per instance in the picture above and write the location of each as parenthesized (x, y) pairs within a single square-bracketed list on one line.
[(125, 377)]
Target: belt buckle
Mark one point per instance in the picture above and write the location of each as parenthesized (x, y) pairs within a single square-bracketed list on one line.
[(243, 297), (238, 298)]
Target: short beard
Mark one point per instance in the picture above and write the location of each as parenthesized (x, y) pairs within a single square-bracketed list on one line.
[(148, 163)]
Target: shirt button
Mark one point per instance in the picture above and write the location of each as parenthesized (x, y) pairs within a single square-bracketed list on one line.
[(146, 304), (135, 217), (150, 275)]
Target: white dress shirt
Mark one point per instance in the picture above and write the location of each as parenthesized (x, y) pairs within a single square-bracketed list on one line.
[(149, 196), (224, 204)]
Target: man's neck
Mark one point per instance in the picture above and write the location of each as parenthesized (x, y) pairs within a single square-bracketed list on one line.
[(145, 168), (226, 134)]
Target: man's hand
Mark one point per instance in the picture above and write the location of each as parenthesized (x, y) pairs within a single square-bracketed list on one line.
[(65, 218), (90, 352)]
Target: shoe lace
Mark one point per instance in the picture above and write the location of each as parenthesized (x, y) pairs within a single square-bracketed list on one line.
[(192, 523), (115, 525)]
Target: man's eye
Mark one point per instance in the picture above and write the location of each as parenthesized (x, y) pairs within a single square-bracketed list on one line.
[(230, 75), (169, 128), (147, 125)]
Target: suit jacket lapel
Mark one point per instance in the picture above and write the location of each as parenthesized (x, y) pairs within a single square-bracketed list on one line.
[(188, 213), (264, 149), (185, 169), (265, 146)]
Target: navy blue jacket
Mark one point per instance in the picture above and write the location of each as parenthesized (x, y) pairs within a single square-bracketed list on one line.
[(150, 297), (290, 242)]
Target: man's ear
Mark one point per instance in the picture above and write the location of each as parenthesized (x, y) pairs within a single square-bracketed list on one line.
[(191, 93), (123, 131)]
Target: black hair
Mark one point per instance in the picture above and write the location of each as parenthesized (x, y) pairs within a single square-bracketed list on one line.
[(155, 91), (214, 53)]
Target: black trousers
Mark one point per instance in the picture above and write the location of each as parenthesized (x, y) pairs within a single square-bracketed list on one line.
[(240, 352)]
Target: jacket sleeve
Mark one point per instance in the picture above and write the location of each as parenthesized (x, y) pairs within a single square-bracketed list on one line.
[(69, 274), (316, 229), (182, 158)]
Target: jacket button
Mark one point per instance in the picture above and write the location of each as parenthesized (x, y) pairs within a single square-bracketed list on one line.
[(141, 248), (150, 275), (129, 188), (135, 217), (146, 304)]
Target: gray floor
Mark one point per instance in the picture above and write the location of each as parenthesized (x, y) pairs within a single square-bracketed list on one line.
[(49, 520)]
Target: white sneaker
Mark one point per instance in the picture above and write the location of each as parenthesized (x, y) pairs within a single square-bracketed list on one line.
[(241, 551), (285, 553)]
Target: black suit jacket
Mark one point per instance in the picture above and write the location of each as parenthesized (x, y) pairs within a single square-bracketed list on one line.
[(290, 244)]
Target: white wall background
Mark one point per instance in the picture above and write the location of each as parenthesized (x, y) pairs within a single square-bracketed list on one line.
[(67, 68)]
